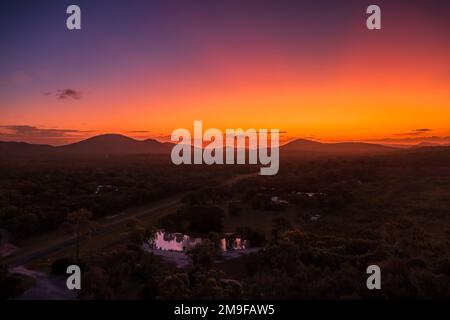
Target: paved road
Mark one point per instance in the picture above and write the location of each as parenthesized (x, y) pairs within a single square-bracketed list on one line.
[(23, 257)]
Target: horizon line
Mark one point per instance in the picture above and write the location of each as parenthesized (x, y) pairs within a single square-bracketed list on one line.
[(321, 141)]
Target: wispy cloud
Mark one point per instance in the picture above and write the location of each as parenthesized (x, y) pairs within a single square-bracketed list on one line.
[(41, 135), (414, 132), (138, 131), (422, 130), (413, 140), (69, 94), (65, 94)]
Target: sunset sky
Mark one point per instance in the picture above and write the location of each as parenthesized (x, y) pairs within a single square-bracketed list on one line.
[(145, 68)]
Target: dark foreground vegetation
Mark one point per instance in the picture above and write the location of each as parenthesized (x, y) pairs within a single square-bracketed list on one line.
[(318, 224), (37, 195)]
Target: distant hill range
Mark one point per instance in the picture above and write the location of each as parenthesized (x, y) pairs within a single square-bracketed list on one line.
[(23, 149), (106, 144), (116, 144), (301, 145)]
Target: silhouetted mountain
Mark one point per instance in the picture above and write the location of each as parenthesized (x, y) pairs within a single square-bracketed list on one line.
[(302, 145), (22, 149), (440, 148), (107, 144), (428, 144), (115, 144)]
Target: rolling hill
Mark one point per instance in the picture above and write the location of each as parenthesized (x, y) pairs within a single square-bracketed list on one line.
[(116, 144), (23, 149), (106, 144), (308, 146)]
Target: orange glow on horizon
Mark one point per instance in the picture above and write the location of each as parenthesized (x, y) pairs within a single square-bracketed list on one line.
[(373, 87)]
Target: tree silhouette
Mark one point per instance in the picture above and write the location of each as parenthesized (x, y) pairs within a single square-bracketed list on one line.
[(79, 222)]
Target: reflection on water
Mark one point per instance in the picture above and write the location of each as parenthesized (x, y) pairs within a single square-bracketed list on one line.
[(182, 242), (174, 241), (233, 243)]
